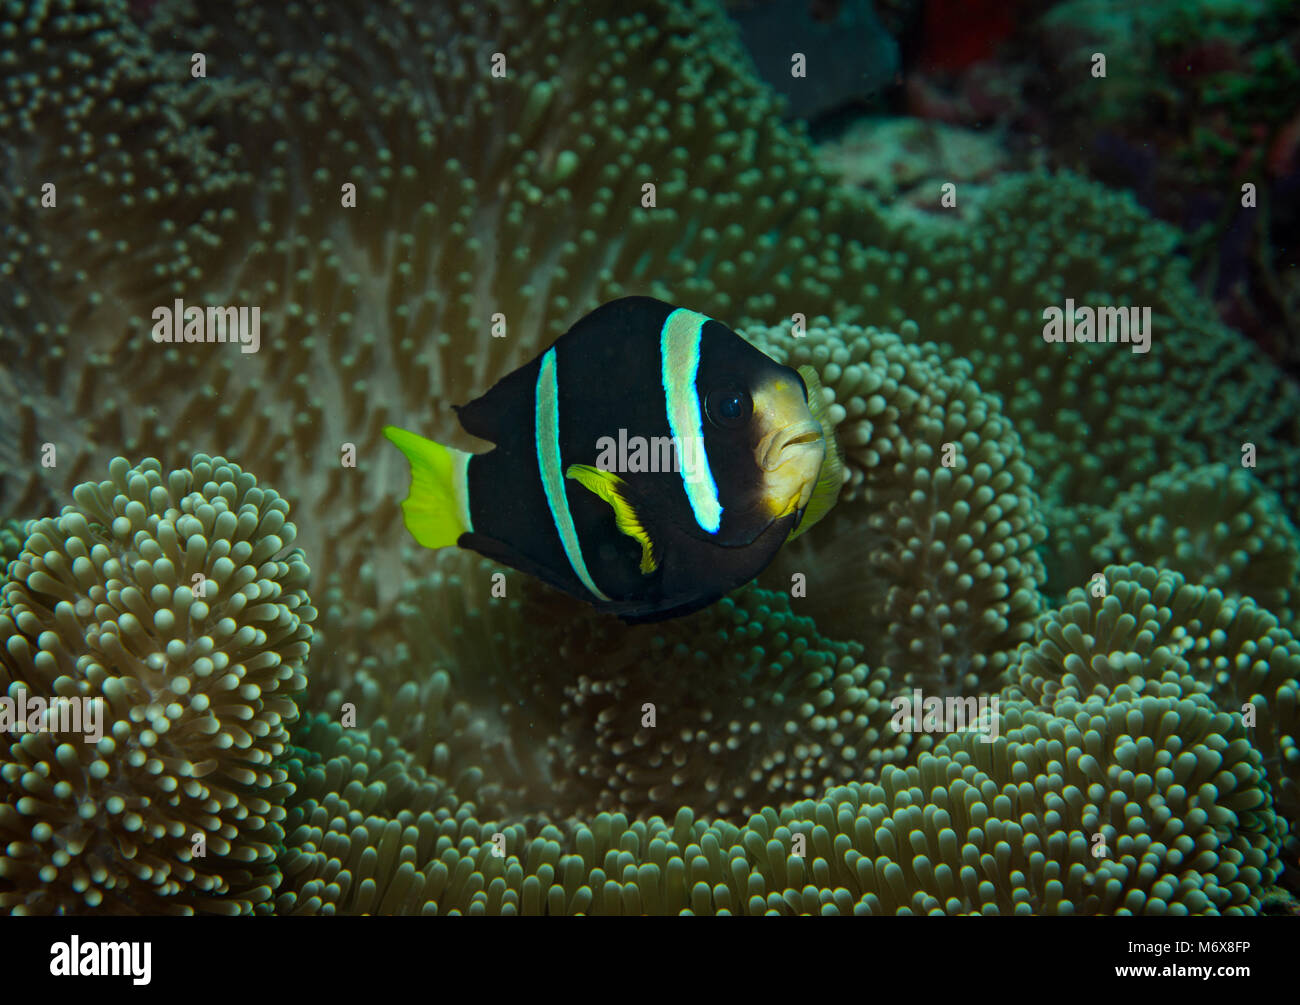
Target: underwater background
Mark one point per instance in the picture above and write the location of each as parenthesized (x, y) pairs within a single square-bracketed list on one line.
[(308, 714)]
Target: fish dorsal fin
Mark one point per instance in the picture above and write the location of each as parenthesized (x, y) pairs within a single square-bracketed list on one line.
[(610, 487), (831, 476), (494, 414)]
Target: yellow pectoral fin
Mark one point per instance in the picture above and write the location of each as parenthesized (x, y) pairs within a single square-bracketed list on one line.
[(831, 476), (609, 487), (436, 510)]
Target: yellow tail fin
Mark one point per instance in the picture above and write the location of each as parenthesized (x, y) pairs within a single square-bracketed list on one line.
[(436, 510)]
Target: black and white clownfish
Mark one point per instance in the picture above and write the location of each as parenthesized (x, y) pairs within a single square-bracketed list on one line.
[(649, 462)]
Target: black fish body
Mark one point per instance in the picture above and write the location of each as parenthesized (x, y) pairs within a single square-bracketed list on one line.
[(725, 457)]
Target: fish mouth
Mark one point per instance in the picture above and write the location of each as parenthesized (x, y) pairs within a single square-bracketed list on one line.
[(791, 449), (793, 443)]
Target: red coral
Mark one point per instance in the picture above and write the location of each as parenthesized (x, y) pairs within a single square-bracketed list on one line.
[(960, 32)]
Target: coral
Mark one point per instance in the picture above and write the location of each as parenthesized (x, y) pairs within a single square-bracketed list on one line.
[(1095, 419), (522, 195), (938, 479), (1217, 526), (171, 601), (751, 703), (1145, 632), (140, 202), (1198, 100), (11, 544), (400, 681), (1009, 827), (476, 195), (355, 798), (1177, 788), (752, 707), (908, 160)]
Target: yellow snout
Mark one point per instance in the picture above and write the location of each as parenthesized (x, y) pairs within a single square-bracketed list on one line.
[(790, 449)]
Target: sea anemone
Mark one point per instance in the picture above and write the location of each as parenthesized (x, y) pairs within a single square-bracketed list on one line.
[(173, 605)]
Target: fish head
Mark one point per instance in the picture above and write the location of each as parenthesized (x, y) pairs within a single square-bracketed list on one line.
[(790, 445), (770, 448)]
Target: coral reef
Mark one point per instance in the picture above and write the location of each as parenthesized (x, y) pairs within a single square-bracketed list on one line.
[(1215, 524), (1195, 101), (905, 161), (442, 711), (750, 703), (1111, 729), (384, 312), (1094, 419), (938, 480), (1199, 100), (172, 603), (1169, 785), (1139, 631), (11, 543)]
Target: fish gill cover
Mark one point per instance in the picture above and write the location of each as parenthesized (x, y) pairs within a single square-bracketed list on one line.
[(1092, 543)]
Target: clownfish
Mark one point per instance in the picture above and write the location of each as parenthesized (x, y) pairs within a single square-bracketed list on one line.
[(649, 462)]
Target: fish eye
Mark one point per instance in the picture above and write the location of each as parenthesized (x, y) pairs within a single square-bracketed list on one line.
[(728, 407)]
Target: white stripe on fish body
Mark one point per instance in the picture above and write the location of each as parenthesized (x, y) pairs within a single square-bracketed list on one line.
[(547, 434), (679, 352), (460, 485)]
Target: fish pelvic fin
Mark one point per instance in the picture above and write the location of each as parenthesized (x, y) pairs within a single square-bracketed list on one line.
[(610, 487), (436, 510), (831, 475)]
